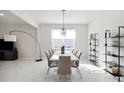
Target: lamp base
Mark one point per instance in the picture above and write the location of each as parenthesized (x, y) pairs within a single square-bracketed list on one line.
[(39, 60)]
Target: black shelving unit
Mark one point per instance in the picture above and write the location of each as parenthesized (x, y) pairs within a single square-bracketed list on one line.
[(93, 48), (108, 53)]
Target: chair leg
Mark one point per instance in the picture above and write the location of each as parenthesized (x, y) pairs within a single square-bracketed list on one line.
[(47, 72), (59, 77), (79, 73), (69, 76)]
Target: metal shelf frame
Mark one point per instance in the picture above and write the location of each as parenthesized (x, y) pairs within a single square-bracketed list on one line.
[(93, 48), (108, 35)]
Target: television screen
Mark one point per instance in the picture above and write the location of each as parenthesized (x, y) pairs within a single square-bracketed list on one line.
[(6, 45)]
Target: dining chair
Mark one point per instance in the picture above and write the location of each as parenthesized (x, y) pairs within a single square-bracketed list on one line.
[(78, 55), (72, 51), (64, 66), (75, 52), (51, 63), (50, 52), (75, 63)]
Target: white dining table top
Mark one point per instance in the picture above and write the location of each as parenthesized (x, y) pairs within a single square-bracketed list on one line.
[(56, 55)]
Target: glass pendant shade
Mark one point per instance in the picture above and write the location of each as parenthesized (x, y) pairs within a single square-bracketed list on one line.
[(63, 29)]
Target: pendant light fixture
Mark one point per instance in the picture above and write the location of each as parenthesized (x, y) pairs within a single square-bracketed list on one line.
[(63, 29)]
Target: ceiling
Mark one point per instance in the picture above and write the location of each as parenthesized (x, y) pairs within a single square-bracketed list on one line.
[(54, 16), (10, 18), (71, 16)]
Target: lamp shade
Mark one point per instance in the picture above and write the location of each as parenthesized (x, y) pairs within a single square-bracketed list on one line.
[(10, 38)]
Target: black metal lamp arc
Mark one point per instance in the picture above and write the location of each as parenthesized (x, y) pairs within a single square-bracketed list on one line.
[(37, 60)]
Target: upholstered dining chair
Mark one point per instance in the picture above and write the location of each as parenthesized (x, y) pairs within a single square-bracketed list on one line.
[(64, 66), (52, 51), (75, 63), (75, 52), (78, 55), (51, 63), (72, 51)]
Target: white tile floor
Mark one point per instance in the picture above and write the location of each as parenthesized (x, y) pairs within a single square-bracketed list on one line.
[(31, 71)]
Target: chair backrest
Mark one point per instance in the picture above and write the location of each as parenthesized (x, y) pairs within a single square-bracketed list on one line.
[(72, 50), (78, 55), (64, 65), (75, 53), (48, 58), (50, 52), (76, 63)]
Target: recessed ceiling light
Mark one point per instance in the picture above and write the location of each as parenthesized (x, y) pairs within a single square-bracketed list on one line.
[(1, 14)]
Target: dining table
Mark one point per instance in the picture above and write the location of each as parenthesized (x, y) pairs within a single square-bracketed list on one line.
[(55, 58), (56, 55), (64, 68)]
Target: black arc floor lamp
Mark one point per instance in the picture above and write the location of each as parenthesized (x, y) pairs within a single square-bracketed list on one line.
[(37, 60)]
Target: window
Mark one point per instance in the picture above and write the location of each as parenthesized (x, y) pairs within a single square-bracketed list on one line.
[(68, 40)]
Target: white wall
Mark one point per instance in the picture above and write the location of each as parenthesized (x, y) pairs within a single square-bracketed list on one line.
[(25, 44), (24, 16), (44, 34), (110, 20)]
